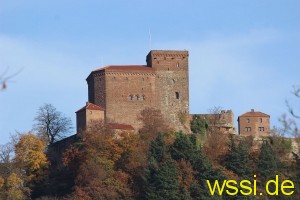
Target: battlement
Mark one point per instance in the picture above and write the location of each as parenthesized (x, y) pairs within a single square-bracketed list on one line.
[(167, 58)]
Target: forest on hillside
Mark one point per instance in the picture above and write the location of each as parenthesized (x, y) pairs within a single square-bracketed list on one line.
[(157, 163)]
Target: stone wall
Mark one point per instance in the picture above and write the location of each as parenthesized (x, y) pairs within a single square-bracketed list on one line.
[(97, 88), (127, 94), (224, 121)]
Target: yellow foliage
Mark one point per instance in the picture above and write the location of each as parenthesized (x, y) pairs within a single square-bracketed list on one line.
[(29, 154), (14, 182), (1, 182), (15, 195)]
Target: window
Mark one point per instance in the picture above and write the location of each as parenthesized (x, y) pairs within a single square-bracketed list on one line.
[(261, 129), (247, 129), (142, 98), (260, 120), (248, 120), (136, 97), (177, 65), (129, 98), (177, 95)]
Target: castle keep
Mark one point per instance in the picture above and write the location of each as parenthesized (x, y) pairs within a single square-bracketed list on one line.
[(117, 94)]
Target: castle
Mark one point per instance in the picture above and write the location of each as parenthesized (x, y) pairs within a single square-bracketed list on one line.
[(117, 94)]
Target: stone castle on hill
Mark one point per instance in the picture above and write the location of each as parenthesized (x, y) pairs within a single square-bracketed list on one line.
[(118, 94)]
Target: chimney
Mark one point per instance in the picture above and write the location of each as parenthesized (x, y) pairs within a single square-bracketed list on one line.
[(252, 110)]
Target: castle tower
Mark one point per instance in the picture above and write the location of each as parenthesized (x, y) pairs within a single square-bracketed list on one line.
[(124, 91), (172, 82)]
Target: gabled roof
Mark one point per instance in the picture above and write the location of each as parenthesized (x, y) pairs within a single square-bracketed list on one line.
[(125, 68), (90, 106), (121, 126), (254, 114)]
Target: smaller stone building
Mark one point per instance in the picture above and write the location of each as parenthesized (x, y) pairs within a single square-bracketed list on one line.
[(254, 123), (88, 115)]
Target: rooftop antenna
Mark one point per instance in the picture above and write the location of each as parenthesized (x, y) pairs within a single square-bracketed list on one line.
[(149, 40)]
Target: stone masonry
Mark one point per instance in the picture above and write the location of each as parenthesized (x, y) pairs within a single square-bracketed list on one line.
[(254, 123), (124, 91)]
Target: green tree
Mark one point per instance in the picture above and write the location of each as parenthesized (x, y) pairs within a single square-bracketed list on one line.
[(183, 148), (158, 148), (237, 159), (162, 181), (266, 165), (199, 125)]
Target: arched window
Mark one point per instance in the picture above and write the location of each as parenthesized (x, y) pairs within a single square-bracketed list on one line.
[(129, 98), (248, 120), (136, 97), (177, 65), (142, 98), (177, 95)]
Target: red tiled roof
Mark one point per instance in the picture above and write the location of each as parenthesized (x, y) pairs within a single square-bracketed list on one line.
[(125, 67), (254, 114), (121, 126), (91, 106)]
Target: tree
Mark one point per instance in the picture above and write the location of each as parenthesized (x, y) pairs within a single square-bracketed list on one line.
[(94, 161), (182, 148), (6, 154), (158, 148), (51, 124), (199, 125), (290, 124), (15, 189), (204, 170), (237, 159), (153, 123), (30, 156), (266, 165), (162, 182), (216, 140)]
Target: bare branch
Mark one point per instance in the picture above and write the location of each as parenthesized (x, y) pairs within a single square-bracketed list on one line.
[(4, 78), (296, 91), (51, 124)]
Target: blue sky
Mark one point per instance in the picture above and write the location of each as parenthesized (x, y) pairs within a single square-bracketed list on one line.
[(243, 54)]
